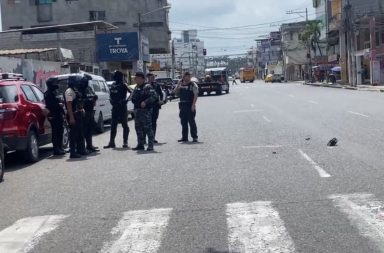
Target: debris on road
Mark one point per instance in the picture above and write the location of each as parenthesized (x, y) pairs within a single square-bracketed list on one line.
[(333, 142)]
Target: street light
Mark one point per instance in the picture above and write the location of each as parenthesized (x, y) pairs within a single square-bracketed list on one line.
[(140, 15)]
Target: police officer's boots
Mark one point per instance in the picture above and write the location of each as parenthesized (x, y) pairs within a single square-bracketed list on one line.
[(110, 145)]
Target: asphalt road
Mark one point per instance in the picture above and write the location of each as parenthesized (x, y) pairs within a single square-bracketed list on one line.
[(262, 179)]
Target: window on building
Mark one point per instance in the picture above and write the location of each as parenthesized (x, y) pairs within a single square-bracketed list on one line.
[(377, 38), (382, 37), (44, 11), (97, 15)]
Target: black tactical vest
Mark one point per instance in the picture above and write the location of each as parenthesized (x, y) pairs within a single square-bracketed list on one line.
[(89, 99), (187, 95), (118, 94)]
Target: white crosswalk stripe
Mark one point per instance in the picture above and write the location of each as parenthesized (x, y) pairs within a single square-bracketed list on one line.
[(366, 213), (252, 227), (25, 233), (139, 231), (256, 227)]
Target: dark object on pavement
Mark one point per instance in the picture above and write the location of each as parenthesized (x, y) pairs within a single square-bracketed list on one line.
[(308, 139), (332, 142), (274, 152)]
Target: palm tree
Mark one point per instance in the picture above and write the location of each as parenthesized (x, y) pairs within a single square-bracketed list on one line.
[(310, 37)]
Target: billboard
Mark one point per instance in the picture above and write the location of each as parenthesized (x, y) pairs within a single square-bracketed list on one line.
[(114, 47)]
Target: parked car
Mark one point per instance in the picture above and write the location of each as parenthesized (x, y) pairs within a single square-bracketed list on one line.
[(103, 108), (130, 106), (268, 78), (164, 81), (25, 126), (2, 166), (276, 78)]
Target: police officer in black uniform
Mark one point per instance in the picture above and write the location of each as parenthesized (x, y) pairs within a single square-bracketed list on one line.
[(75, 116), (56, 115), (188, 92), (90, 99), (157, 104), (118, 99)]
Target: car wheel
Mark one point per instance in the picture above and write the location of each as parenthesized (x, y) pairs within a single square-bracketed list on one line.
[(219, 91), (65, 137), (100, 124), (32, 151), (227, 91)]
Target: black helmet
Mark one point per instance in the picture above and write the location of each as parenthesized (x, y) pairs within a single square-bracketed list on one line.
[(118, 77), (52, 83), (73, 81), (84, 81)]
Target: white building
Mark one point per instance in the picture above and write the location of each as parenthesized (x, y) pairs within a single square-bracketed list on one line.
[(189, 54)]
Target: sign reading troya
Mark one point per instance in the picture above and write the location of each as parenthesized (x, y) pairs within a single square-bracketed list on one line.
[(117, 47)]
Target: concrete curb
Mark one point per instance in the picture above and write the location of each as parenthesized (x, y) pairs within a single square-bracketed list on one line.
[(338, 86)]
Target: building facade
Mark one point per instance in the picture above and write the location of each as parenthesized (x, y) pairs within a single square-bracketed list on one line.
[(294, 51), (124, 14), (188, 54)]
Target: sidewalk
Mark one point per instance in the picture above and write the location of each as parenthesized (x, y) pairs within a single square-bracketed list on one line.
[(348, 87)]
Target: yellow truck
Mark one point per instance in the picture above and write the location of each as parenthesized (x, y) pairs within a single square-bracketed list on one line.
[(247, 75)]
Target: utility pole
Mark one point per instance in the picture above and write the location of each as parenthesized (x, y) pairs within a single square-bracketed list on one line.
[(139, 43), (173, 59), (350, 43), (299, 12)]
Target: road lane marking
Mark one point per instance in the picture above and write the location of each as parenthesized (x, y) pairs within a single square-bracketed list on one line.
[(248, 111), (320, 170), (25, 234), (256, 227), (266, 119), (260, 147), (139, 231), (313, 102), (365, 212), (359, 114)]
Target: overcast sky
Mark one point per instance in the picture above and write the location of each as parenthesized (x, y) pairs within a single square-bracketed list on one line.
[(253, 19)]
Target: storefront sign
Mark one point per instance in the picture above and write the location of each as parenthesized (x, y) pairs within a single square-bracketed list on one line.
[(117, 47)]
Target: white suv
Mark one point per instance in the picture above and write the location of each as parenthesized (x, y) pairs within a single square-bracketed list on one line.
[(103, 108)]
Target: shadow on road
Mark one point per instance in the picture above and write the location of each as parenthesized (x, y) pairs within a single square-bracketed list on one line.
[(192, 143), (15, 160), (212, 250)]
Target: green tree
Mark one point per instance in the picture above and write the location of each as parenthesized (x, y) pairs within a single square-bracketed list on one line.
[(310, 37)]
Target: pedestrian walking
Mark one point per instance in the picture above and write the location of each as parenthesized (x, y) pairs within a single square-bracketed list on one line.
[(90, 98), (158, 103), (75, 116), (55, 116), (118, 99), (143, 98), (188, 92), (234, 81)]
